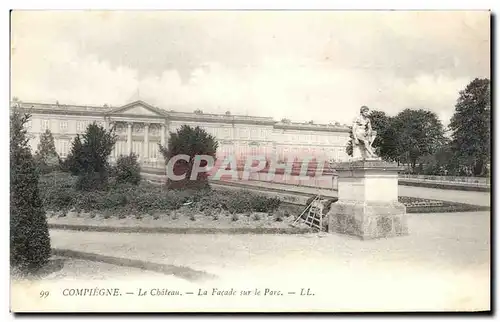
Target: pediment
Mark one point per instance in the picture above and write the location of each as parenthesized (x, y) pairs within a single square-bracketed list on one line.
[(138, 108)]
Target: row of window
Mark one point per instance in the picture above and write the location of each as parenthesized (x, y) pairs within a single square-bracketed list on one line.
[(313, 138), (63, 125), (63, 146), (220, 133)]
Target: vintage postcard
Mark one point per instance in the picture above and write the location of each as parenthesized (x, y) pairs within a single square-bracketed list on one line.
[(250, 161)]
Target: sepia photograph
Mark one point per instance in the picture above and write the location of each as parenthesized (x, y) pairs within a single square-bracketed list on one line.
[(242, 161)]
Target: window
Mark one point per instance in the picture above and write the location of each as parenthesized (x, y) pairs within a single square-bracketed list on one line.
[(243, 133), (45, 125), (80, 126), (29, 124), (64, 147), (153, 151), (63, 125)]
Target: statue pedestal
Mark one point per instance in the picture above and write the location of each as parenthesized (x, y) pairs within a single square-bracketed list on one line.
[(368, 204)]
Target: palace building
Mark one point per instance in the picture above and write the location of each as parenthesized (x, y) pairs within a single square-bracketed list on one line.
[(141, 126)]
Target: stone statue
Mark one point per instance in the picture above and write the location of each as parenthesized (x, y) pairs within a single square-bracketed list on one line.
[(363, 136)]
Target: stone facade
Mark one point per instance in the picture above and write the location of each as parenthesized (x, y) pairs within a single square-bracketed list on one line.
[(141, 127)]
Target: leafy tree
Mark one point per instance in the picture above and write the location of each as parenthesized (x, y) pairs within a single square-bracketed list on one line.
[(29, 234), (418, 133), (190, 141), (46, 156), (386, 140), (439, 163), (471, 127), (128, 169)]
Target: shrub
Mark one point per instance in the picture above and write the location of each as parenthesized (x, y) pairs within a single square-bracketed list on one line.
[(88, 181), (29, 234), (264, 204), (239, 202), (91, 201), (245, 201), (62, 200), (128, 170)]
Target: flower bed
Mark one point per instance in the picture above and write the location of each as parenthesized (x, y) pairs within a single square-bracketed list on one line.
[(420, 205), (149, 205)]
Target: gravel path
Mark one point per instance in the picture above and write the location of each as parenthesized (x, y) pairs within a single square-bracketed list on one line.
[(442, 264)]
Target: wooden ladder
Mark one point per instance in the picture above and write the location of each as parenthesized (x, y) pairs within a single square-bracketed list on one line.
[(313, 214)]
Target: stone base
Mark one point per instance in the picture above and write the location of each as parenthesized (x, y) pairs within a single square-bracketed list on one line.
[(368, 220)]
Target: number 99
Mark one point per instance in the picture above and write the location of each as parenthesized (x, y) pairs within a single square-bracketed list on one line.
[(44, 294)]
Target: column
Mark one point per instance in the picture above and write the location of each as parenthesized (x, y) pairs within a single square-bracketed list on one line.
[(106, 124), (162, 132), (129, 138), (146, 142)]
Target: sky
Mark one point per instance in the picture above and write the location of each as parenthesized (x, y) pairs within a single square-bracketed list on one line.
[(299, 65)]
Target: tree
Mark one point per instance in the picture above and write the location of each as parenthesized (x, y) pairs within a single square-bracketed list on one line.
[(46, 156), (190, 141), (72, 162), (89, 157), (418, 133), (471, 127), (438, 163), (386, 141), (29, 234)]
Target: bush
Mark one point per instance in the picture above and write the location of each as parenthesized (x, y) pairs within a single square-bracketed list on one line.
[(263, 204), (92, 180), (29, 233), (242, 201), (128, 170)]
